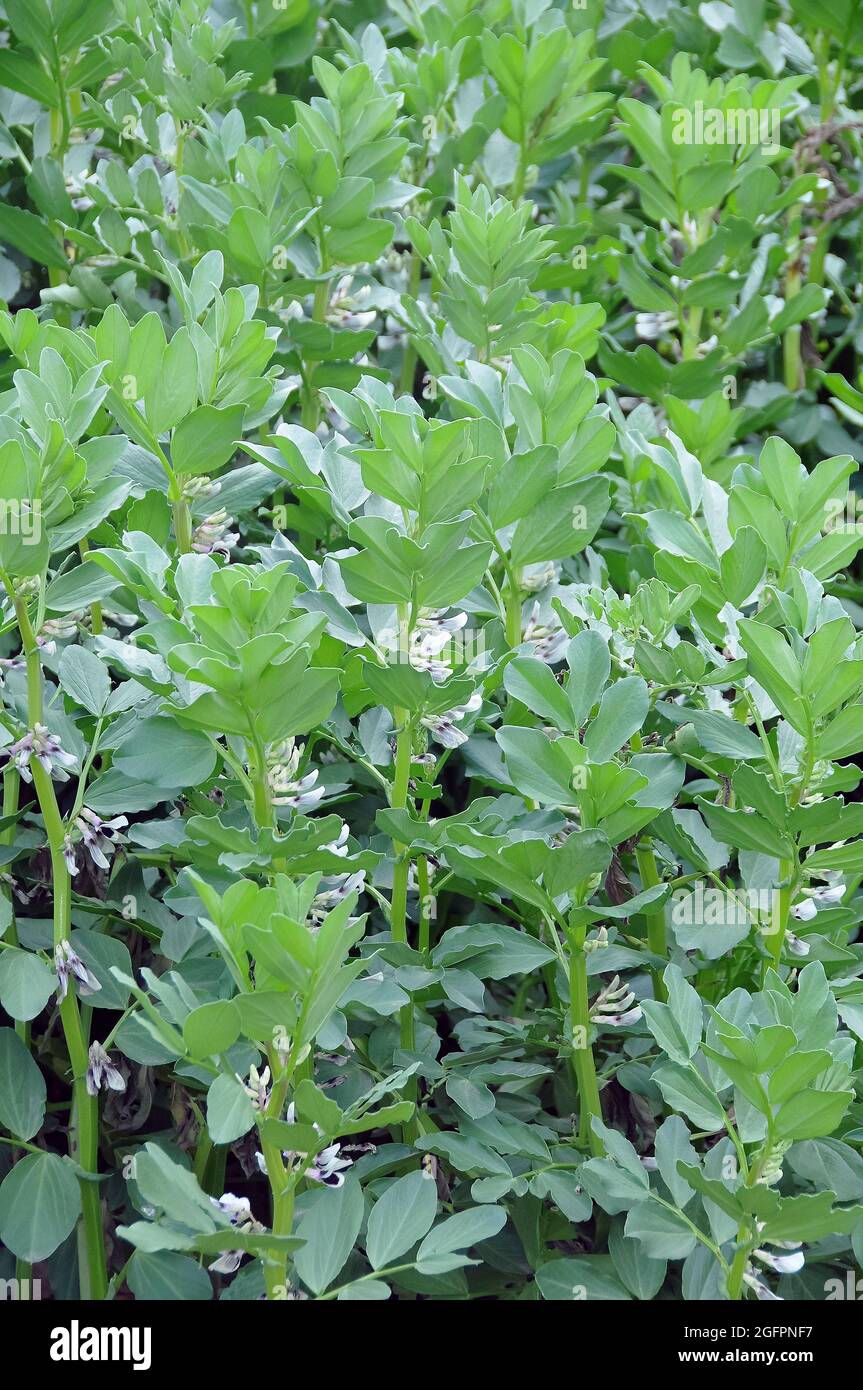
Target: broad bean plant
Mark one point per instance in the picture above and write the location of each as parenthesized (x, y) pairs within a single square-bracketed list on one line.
[(432, 670)]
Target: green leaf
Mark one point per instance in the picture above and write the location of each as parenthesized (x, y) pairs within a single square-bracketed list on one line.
[(744, 830), (171, 1187), (580, 1277), (30, 235), (26, 984), (774, 666), (460, 1231), (39, 1205), (400, 1218), (229, 1110), (717, 733), (677, 1024), (686, 1090), (742, 565), (622, 711), (662, 1234), (672, 1146), (811, 1114), (206, 438), (85, 678), (163, 755), (536, 766), (589, 664), (212, 1028), (641, 1274), (532, 682), (22, 1088), (329, 1228), (166, 1276)]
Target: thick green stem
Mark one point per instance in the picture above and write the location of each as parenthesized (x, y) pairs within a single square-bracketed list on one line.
[(282, 1181), (401, 866), (738, 1268), (513, 608), (516, 192), (655, 921), (426, 904), (282, 1190), (311, 410), (792, 361), (582, 1052), (779, 926), (398, 910), (202, 1154), (84, 1114), (95, 606), (409, 359), (182, 525), (691, 333)]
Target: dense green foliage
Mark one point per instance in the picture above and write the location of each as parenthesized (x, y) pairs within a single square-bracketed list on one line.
[(430, 650)]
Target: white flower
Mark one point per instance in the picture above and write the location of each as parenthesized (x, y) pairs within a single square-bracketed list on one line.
[(654, 325), (613, 1006), (339, 846), (804, 911), (328, 1167), (212, 537), (442, 727), (623, 1020), (239, 1210), (549, 639), (796, 945), (771, 1165), (46, 747), (830, 893), (598, 942), (333, 891), (705, 348), (343, 309), (824, 895), (69, 855), (227, 1263), (101, 1072), (257, 1088), (539, 576), (431, 635), (66, 964), (12, 663), (301, 794), (782, 1264), (200, 486), (64, 626), (99, 836)]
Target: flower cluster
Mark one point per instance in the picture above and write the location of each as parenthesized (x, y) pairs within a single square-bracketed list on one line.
[(48, 751)]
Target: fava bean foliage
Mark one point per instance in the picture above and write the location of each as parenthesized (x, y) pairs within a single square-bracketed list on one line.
[(432, 676)]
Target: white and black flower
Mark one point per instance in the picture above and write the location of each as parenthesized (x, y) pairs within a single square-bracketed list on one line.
[(46, 748), (101, 1072), (69, 965)]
